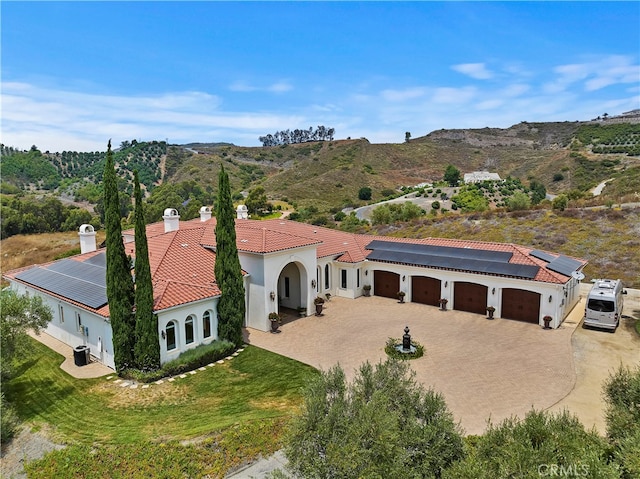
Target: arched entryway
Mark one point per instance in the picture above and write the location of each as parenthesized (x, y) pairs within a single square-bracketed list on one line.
[(520, 305), (292, 288), (425, 290), (470, 297), (386, 283)]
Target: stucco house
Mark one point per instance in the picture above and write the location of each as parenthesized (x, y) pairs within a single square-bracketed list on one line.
[(286, 265)]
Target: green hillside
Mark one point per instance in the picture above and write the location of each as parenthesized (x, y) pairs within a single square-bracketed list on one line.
[(328, 175), (566, 157)]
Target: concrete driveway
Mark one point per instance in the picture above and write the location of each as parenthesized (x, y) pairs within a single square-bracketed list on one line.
[(486, 369)]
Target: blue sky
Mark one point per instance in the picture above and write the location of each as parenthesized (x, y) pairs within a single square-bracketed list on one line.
[(75, 74)]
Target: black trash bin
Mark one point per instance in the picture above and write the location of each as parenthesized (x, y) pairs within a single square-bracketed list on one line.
[(81, 355)]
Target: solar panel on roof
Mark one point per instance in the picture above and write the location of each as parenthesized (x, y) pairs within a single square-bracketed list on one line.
[(99, 260), (79, 270), (463, 264), (447, 251), (564, 265), (84, 292), (536, 253)]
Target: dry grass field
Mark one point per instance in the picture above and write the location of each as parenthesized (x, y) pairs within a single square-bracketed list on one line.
[(24, 250)]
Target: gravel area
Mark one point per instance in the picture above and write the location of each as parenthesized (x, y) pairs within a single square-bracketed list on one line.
[(26, 446)]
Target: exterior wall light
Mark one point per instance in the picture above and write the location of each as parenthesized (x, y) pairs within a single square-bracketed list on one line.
[(550, 298), (272, 295), (493, 291), (313, 283)]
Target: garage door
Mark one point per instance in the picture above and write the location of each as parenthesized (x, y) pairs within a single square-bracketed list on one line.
[(386, 284), (520, 305), (470, 297), (425, 290)]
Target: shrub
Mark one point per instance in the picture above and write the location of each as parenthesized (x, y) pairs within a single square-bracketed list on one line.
[(383, 424), (364, 193), (558, 177), (187, 361), (392, 352)]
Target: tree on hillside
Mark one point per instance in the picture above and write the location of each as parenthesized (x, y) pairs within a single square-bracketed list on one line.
[(538, 192), (287, 137), (470, 198), (147, 346), (18, 315), (231, 307), (452, 175), (256, 201), (560, 202), (519, 201), (407, 136), (364, 193), (383, 424), (120, 293)]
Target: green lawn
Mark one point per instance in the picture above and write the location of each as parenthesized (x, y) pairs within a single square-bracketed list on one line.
[(249, 397)]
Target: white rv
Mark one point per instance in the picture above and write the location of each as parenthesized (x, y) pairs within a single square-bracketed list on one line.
[(604, 304)]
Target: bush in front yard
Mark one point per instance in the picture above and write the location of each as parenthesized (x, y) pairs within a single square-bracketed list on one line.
[(187, 361)]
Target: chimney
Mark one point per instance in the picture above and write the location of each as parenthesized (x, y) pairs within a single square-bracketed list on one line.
[(87, 239), (242, 212), (205, 213), (171, 220)]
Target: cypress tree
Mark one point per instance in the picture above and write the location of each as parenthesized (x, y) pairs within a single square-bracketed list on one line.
[(120, 294), (231, 306), (147, 347)]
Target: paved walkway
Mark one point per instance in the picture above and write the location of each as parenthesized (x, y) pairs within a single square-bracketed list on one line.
[(92, 370), (485, 369)]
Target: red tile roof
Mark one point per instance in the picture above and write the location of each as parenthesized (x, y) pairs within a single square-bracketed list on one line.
[(182, 262)]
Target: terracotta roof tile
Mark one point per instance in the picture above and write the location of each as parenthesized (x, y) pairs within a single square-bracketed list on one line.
[(182, 262)]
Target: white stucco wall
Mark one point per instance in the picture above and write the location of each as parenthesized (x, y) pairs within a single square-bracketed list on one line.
[(179, 316), (95, 332), (267, 275), (558, 307)]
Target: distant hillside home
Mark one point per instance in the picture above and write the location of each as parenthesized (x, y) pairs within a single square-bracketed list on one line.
[(478, 176), (286, 265)]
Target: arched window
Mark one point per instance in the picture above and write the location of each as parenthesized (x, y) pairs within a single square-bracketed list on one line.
[(188, 330), (206, 324), (170, 331), (326, 276)]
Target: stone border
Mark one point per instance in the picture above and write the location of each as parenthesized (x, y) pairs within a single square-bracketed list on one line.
[(132, 384)]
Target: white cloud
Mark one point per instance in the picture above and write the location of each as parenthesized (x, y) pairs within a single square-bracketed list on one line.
[(595, 74), (477, 71), (60, 120), (280, 87), (277, 87)]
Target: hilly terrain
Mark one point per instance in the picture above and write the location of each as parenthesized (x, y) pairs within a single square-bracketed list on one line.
[(328, 174)]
